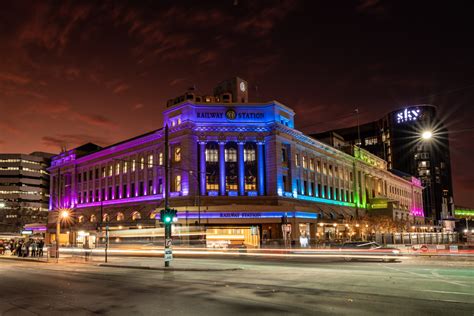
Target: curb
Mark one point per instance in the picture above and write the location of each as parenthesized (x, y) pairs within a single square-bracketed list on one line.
[(166, 269), (22, 259)]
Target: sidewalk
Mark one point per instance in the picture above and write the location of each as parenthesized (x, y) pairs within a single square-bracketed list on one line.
[(43, 259), (177, 264)]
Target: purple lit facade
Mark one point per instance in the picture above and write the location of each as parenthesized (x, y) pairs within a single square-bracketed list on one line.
[(227, 158)]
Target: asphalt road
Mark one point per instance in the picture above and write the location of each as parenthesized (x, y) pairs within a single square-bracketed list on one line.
[(262, 287)]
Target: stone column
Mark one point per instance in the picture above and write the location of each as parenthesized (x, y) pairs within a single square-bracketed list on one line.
[(241, 169), (222, 168), (202, 167), (261, 169)]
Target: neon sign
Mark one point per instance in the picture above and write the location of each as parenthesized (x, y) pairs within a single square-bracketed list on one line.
[(408, 115)]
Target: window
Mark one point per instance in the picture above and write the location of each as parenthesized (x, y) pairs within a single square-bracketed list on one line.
[(250, 183), (330, 170), (102, 194), (124, 191), (141, 189), (90, 196), (211, 183), (117, 168), (105, 217), (160, 159), (136, 216), (150, 186), (318, 166), (212, 155), (117, 192), (132, 189), (311, 164), (231, 183), (160, 186), (177, 183), (371, 141), (142, 163), (80, 219), (90, 175), (283, 154), (125, 167), (325, 168), (230, 155), (133, 165), (110, 193), (285, 183), (103, 172), (79, 178), (297, 160), (97, 173), (249, 154), (93, 218), (305, 163), (79, 201), (177, 154), (84, 175), (150, 161), (120, 217), (111, 170)]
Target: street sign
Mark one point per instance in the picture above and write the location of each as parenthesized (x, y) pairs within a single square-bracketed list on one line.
[(168, 243), (168, 255)]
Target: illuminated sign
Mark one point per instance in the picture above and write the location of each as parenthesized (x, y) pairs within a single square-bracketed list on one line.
[(217, 215), (230, 115), (26, 232), (408, 115), (463, 213)]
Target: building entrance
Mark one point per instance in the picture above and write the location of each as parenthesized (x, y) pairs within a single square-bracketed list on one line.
[(233, 237)]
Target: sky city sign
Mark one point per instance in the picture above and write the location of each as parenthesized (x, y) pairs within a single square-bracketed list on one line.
[(407, 115)]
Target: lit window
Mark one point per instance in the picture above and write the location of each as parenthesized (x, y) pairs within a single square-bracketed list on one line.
[(177, 154), (297, 160), (80, 219), (177, 183), (230, 155), (212, 155), (111, 169), (304, 162), (93, 219), (311, 164), (318, 166), (150, 161), (325, 168), (249, 154), (160, 159), (211, 183), (142, 163), (117, 168), (136, 216), (133, 165), (179, 121), (125, 167), (103, 172), (120, 217), (250, 183)]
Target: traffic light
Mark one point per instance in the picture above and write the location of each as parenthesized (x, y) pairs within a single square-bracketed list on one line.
[(167, 215)]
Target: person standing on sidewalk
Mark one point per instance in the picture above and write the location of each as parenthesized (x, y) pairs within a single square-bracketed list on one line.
[(34, 248), (40, 248)]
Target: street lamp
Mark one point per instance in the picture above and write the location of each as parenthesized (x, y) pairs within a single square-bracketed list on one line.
[(62, 214), (426, 135)]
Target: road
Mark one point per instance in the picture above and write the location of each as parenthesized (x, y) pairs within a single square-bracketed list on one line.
[(263, 287)]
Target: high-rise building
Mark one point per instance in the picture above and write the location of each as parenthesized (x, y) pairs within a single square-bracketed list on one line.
[(24, 190), (412, 140)]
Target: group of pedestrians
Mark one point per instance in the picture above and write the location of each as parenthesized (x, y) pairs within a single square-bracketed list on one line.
[(22, 248)]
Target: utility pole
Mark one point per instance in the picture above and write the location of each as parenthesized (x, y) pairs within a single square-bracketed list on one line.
[(167, 215), (58, 219)]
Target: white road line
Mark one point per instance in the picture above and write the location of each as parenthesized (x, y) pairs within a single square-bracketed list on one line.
[(447, 292)]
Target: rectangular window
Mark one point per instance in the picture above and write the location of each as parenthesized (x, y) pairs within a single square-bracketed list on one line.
[(250, 183), (177, 183), (211, 183), (142, 163), (79, 178), (79, 201), (117, 192), (90, 175), (150, 187), (230, 155), (318, 166), (283, 154), (84, 175), (313, 192), (305, 165), (160, 186), (117, 168), (160, 159), (133, 165), (103, 194), (304, 188), (285, 184), (212, 155), (141, 189), (132, 189), (125, 167), (110, 193), (150, 161), (111, 170), (311, 164), (325, 168), (330, 170), (103, 172), (297, 160), (124, 191), (249, 155), (336, 191), (97, 173), (177, 154), (90, 196)]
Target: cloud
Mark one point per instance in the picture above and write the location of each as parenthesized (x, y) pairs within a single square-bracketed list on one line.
[(137, 106), (13, 78), (121, 88), (71, 140), (95, 120)]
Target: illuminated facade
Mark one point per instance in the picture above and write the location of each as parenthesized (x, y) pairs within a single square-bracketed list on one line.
[(231, 164), (24, 190)]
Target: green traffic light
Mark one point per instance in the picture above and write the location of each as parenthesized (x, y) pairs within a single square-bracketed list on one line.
[(167, 219)]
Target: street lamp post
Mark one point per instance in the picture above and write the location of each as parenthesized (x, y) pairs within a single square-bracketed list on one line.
[(62, 214)]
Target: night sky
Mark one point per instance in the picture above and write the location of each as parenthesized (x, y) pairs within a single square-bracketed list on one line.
[(76, 72)]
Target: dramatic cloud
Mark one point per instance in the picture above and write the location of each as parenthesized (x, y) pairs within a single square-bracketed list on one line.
[(70, 141)]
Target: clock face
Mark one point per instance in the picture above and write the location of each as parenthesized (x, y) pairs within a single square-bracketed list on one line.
[(242, 86)]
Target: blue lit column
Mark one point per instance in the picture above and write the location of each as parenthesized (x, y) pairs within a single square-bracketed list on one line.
[(202, 167), (222, 168), (261, 169), (241, 168)]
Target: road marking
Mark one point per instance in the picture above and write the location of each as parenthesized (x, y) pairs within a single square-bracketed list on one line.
[(448, 292), (432, 277)]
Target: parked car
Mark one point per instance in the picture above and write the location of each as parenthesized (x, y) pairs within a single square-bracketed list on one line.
[(364, 248)]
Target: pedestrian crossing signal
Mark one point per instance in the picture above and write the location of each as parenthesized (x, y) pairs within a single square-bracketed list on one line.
[(167, 215)]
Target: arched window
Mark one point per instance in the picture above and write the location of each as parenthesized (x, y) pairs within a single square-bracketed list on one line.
[(120, 216), (177, 183), (93, 219), (136, 216), (80, 219), (105, 217), (154, 214)]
